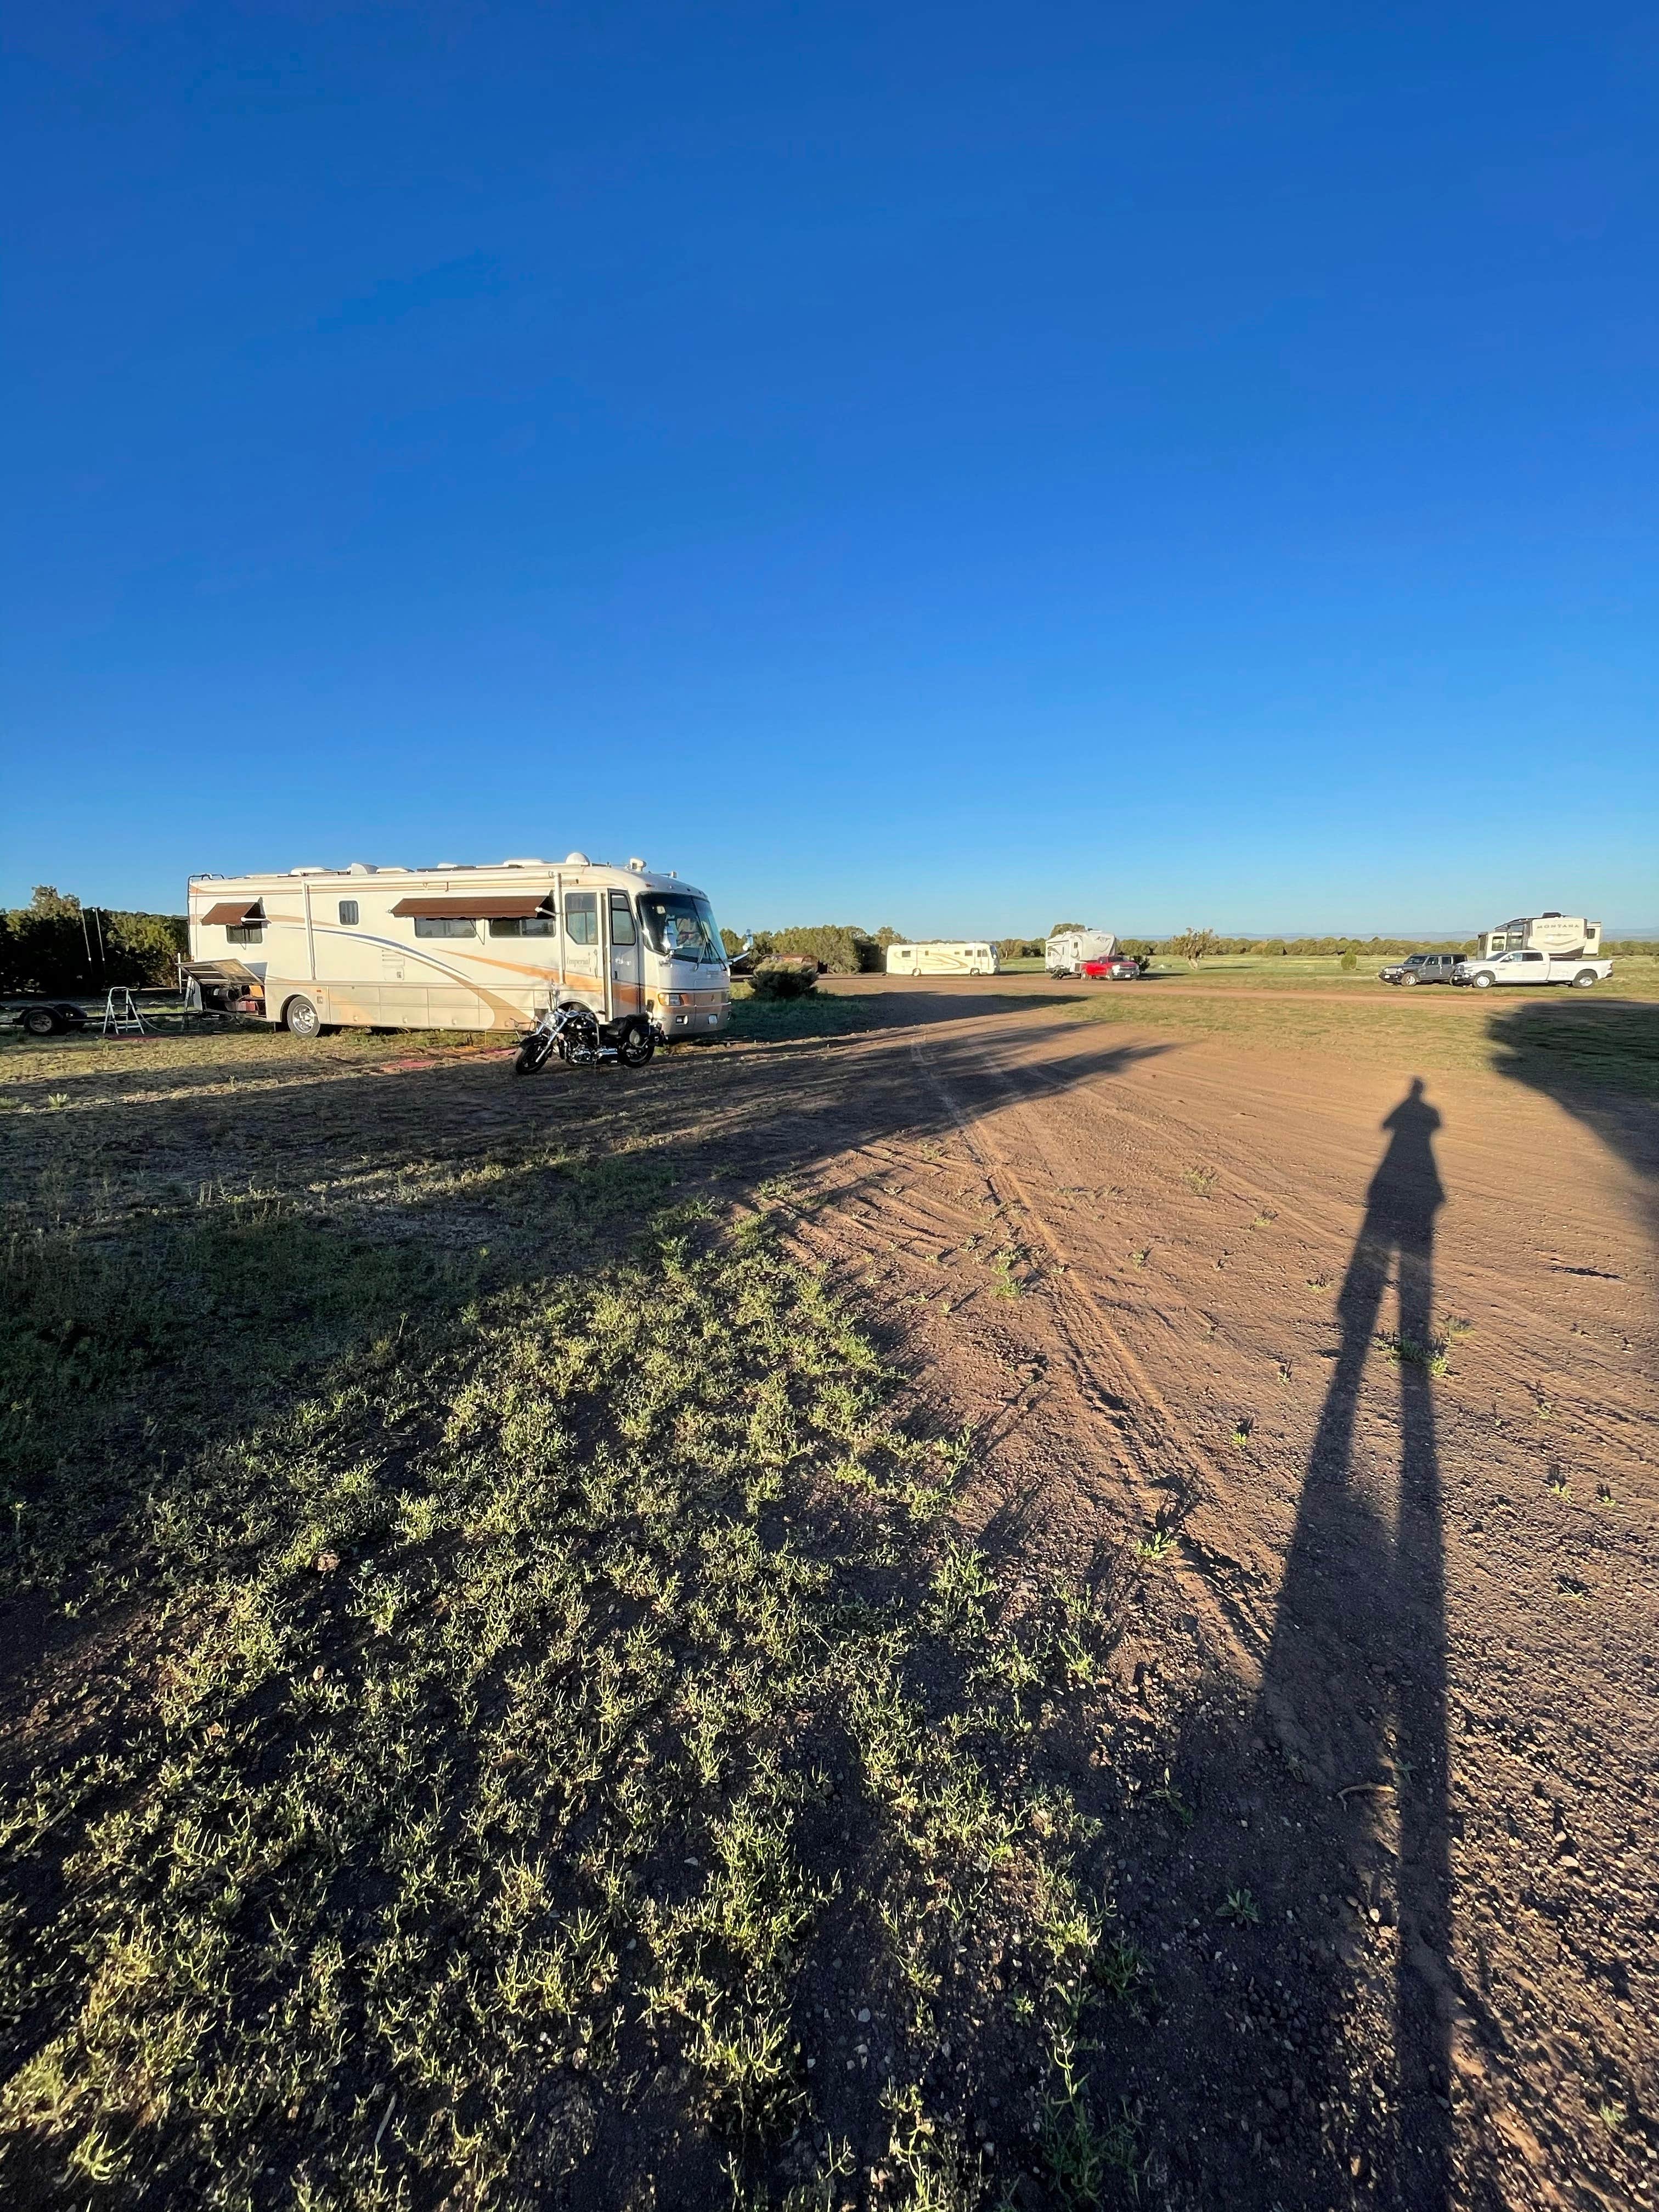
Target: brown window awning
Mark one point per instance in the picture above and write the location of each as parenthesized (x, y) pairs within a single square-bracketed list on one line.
[(232, 913), (476, 906)]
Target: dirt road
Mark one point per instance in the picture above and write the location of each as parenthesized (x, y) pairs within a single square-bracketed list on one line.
[(1379, 1355)]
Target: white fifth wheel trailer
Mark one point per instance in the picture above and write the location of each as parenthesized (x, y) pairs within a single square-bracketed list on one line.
[(1562, 936), (1065, 955), (968, 958), (461, 947)]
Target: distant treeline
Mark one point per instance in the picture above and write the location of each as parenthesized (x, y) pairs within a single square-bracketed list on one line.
[(58, 945), (1145, 948), (1385, 948), (844, 949), (1391, 948)]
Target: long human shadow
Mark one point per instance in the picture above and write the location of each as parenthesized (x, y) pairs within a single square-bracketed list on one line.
[(1354, 1686)]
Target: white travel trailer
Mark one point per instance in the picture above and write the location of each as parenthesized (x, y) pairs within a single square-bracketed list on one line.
[(941, 958), (461, 947), (1065, 955)]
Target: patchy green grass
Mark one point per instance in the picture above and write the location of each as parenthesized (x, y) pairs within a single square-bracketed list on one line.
[(504, 1691), (1434, 1358), (1607, 1041), (1633, 975), (775, 1021)]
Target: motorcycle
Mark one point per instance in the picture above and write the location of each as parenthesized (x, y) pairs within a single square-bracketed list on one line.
[(573, 1032)]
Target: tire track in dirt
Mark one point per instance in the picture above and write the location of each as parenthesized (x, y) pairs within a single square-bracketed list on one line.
[(1555, 1343), (1120, 1413)]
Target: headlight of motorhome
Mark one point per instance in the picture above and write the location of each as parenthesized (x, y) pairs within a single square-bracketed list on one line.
[(674, 998)]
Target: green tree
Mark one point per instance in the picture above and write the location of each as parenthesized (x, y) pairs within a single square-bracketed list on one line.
[(56, 944), (839, 946), (1060, 927), (1195, 945), (49, 904)]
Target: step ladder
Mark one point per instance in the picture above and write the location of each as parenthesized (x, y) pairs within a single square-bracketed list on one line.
[(121, 1014)]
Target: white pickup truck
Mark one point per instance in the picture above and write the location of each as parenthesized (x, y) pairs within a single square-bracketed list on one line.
[(1481, 974)]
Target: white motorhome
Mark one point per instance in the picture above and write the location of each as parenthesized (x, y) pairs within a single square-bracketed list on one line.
[(1065, 955), (461, 947), (1562, 936), (940, 957)]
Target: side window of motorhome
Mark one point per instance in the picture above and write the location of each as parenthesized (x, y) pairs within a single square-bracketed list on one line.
[(348, 912), (621, 919), (245, 932), (581, 917), (529, 924), (445, 925)]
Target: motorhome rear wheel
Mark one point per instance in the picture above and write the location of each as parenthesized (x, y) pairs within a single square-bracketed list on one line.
[(636, 1045)]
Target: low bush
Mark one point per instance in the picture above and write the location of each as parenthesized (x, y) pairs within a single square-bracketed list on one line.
[(784, 979)]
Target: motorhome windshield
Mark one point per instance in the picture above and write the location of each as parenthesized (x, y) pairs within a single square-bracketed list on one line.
[(680, 927)]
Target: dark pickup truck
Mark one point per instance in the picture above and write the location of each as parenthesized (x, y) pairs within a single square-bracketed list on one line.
[(1422, 967)]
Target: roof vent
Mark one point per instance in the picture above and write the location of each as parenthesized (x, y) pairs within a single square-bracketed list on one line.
[(449, 864), (525, 864), (577, 861), (638, 866), (311, 871), (362, 868)]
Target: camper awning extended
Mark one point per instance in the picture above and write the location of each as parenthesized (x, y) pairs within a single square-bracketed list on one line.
[(232, 913), (476, 906)]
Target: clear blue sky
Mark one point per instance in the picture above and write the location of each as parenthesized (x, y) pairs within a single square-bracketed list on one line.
[(945, 466)]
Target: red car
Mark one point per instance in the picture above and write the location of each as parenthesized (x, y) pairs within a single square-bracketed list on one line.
[(1121, 969)]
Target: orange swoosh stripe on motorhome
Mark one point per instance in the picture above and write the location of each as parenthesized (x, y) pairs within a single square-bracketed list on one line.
[(578, 982)]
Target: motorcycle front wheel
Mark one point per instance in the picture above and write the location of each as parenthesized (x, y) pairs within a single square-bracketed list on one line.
[(531, 1053)]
